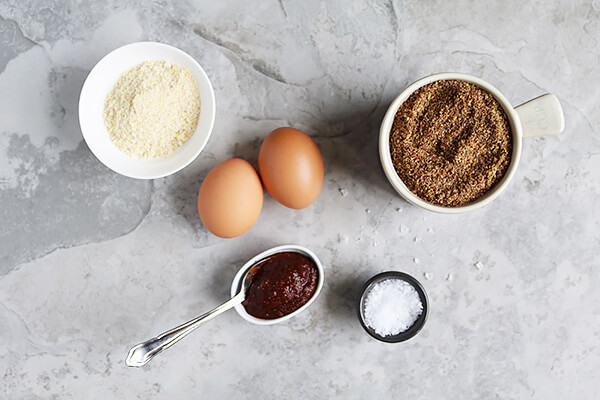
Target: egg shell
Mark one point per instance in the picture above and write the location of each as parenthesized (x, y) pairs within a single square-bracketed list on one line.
[(291, 167), (230, 198)]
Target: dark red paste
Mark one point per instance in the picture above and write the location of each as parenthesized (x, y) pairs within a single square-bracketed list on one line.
[(283, 284)]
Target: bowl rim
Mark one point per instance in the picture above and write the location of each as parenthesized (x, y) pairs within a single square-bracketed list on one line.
[(386, 158), (85, 114), (415, 327), (235, 285)]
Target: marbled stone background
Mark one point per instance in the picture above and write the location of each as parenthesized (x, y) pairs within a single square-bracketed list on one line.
[(92, 262)]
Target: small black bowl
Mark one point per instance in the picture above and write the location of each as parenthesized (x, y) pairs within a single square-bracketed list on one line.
[(418, 324)]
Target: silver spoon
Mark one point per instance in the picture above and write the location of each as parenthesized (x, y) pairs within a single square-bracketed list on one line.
[(141, 353)]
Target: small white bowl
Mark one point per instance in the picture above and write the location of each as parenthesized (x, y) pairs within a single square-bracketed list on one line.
[(279, 249), (100, 82)]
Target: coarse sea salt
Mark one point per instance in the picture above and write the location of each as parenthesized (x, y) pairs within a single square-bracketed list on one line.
[(392, 306)]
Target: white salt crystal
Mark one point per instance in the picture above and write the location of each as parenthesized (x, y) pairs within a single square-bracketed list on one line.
[(404, 229), (449, 277), (368, 211), (430, 230), (479, 265), (428, 276), (342, 239), (343, 192), (416, 260), (417, 239), (392, 306), (399, 209)]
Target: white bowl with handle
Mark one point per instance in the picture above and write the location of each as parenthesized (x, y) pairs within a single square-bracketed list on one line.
[(537, 117)]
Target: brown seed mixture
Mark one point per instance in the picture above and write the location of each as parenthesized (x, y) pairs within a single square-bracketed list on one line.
[(450, 142)]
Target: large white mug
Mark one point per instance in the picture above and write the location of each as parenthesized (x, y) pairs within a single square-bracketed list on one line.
[(537, 117)]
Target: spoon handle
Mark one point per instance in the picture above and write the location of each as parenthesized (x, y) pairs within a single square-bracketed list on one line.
[(141, 353)]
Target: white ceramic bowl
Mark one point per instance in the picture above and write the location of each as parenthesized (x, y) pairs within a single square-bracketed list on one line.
[(100, 82), (235, 285), (538, 117)]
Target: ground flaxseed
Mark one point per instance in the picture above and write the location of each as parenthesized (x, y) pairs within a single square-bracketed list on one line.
[(450, 142)]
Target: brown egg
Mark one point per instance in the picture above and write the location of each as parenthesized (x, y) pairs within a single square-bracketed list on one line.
[(291, 167), (230, 198)]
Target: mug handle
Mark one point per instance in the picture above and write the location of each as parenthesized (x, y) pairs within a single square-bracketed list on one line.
[(541, 116)]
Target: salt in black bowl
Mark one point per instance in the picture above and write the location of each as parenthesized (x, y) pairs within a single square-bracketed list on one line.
[(415, 327)]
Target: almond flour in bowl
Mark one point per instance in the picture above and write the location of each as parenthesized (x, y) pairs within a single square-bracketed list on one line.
[(152, 110), (101, 81), (450, 142)]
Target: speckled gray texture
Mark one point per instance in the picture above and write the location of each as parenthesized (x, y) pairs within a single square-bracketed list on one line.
[(92, 262)]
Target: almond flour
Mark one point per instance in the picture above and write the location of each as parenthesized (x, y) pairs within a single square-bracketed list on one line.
[(152, 110), (450, 142)]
